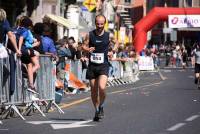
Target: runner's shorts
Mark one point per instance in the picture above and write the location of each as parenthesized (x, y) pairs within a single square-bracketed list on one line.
[(197, 68), (94, 70)]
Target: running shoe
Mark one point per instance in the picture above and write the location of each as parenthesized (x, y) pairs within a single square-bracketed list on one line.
[(196, 80), (101, 112), (96, 117)]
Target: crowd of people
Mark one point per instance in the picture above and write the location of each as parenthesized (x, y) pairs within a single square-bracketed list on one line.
[(175, 54), (30, 40)]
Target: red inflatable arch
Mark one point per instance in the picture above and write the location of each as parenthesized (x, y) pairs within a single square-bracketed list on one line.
[(156, 15)]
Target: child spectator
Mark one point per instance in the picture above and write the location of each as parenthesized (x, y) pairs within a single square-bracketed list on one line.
[(29, 56)]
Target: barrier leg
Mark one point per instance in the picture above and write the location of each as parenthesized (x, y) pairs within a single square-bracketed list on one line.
[(38, 108), (8, 111), (108, 84), (17, 111), (34, 104), (118, 81), (121, 81), (112, 83), (57, 107), (115, 82)]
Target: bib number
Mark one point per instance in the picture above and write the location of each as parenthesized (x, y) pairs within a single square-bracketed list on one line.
[(97, 58)]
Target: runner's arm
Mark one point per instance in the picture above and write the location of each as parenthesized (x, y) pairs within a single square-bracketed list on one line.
[(85, 45)]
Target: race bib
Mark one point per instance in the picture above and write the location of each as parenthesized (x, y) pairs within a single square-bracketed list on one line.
[(97, 58)]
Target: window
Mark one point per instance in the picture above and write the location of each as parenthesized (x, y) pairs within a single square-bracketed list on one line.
[(188, 3), (53, 9), (127, 1)]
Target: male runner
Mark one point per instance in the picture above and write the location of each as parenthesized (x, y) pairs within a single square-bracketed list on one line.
[(97, 45)]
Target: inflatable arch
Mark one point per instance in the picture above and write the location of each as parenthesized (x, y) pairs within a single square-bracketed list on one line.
[(156, 15)]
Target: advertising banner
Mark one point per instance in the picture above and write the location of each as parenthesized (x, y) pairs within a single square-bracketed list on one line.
[(145, 63), (183, 21)]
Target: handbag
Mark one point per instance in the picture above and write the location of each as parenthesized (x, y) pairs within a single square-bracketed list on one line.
[(3, 51)]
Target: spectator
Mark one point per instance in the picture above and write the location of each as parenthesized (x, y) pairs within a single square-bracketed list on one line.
[(6, 30), (63, 52), (47, 42), (29, 56), (184, 58), (38, 31), (74, 49)]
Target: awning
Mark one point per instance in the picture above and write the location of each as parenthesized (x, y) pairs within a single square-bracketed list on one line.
[(63, 21)]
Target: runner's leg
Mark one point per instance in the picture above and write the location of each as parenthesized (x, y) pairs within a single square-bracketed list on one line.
[(102, 94), (95, 98), (102, 80), (94, 93)]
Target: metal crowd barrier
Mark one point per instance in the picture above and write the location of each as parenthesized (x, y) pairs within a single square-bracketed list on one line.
[(119, 73), (11, 90), (130, 71), (122, 73), (45, 83), (45, 80), (13, 87), (4, 80), (45, 86), (76, 68)]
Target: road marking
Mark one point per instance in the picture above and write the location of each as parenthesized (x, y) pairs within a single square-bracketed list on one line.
[(72, 125), (192, 118), (75, 102), (161, 75), (153, 84), (4, 129), (88, 98), (50, 122), (167, 71), (175, 127), (39, 122), (1, 122), (191, 76), (66, 105), (57, 124)]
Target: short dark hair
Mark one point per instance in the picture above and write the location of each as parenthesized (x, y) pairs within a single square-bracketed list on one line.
[(38, 28), (26, 22), (100, 15), (46, 29), (71, 38)]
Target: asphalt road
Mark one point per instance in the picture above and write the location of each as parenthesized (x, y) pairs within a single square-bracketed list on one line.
[(149, 106)]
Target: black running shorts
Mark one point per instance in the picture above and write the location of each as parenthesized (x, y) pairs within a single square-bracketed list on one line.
[(94, 71), (197, 68)]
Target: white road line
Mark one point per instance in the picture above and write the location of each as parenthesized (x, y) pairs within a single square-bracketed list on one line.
[(134, 88), (3, 129), (1, 122), (167, 71), (192, 118), (175, 127), (72, 125)]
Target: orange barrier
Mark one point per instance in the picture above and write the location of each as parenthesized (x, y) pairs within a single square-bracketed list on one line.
[(73, 80)]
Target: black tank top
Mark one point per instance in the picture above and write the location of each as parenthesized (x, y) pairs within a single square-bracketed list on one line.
[(101, 44)]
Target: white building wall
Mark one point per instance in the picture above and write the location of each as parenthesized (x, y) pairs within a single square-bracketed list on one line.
[(47, 7), (73, 15)]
